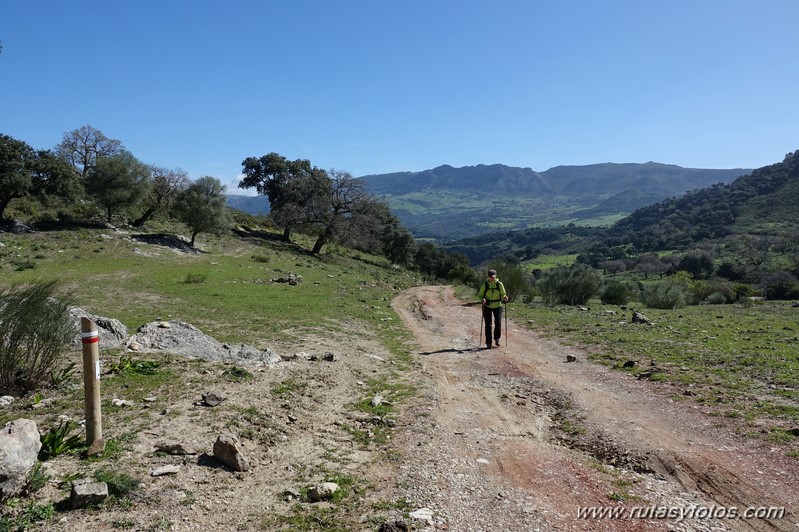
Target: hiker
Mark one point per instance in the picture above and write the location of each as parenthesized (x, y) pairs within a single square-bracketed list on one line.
[(492, 294)]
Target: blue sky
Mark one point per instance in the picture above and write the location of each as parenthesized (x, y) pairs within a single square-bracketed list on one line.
[(382, 86)]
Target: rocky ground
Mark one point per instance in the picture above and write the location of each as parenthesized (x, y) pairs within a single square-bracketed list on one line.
[(513, 438)]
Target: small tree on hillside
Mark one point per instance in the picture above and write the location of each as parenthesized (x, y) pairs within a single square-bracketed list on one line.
[(289, 186), (117, 182), (203, 207), (162, 187)]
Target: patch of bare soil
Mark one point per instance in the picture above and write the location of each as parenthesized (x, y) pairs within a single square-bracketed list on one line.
[(294, 420), (516, 438)]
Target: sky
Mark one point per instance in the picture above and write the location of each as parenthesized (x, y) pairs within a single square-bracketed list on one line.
[(379, 86)]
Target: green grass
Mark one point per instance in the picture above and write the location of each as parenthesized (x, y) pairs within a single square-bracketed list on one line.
[(740, 361), (546, 262), (236, 303)]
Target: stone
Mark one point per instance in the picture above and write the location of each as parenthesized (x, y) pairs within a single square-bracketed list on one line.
[(6, 400), (178, 449), (165, 470), (322, 492), (395, 526), (211, 399), (571, 358), (20, 443), (87, 493), (228, 451), (423, 514), (112, 332)]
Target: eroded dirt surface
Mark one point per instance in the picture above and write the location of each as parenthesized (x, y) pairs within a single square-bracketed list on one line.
[(516, 438)]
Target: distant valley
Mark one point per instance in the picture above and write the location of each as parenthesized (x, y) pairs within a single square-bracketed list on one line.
[(448, 203)]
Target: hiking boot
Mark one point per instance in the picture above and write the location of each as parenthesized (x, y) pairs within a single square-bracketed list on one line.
[(497, 342), (488, 345)]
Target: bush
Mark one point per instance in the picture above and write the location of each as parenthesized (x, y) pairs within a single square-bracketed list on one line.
[(616, 293), (716, 298), (743, 291), (782, 290), (35, 330), (195, 278), (513, 278), (666, 294), (569, 286)]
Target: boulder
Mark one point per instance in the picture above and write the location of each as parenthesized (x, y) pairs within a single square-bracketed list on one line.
[(20, 443), (228, 451), (185, 339), (112, 333)]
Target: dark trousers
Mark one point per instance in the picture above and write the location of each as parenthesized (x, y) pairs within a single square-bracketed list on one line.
[(494, 314)]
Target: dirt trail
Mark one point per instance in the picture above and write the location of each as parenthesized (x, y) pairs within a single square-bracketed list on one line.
[(516, 438)]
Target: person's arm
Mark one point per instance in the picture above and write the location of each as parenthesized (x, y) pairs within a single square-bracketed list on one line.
[(503, 292)]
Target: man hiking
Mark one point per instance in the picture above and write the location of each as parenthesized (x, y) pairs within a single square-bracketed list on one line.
[(492, 294)]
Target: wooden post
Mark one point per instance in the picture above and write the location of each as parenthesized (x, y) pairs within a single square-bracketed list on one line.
[(91, 385)]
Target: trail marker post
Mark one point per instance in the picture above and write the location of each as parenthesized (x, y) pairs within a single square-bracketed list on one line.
[(90, 339)]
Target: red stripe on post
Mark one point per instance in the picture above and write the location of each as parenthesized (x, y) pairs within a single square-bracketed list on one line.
[(93, 340)]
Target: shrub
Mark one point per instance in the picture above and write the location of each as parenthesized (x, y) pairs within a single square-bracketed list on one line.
[(743, 291), (666, 294), (782, 290), (569, 286), (195, 278), (716, 298), (616, 293), (35, 330)]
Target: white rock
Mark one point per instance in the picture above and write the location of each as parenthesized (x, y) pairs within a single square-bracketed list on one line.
[(423, 514), (165, 470)]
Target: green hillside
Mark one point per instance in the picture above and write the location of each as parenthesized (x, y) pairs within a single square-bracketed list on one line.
[(447, 203)]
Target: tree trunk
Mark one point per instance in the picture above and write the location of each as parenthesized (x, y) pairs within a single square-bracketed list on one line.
[(287, 233), (321, 241), (193, 236), (143, 218), (3, 204)]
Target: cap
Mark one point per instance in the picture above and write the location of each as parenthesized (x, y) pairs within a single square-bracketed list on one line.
[(492, 272)]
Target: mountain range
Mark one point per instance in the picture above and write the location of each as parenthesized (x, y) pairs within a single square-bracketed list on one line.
[(447, 203)]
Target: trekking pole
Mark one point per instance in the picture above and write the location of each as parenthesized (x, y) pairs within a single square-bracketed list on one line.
[(506, 325), (480, 338)]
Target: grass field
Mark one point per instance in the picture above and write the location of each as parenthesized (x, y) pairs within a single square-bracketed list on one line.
[(227, 291), (740, 361)]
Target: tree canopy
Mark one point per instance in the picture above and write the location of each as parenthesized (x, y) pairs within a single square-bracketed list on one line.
[(117, 182), (82, 147), (202, 206), (25, 171)]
